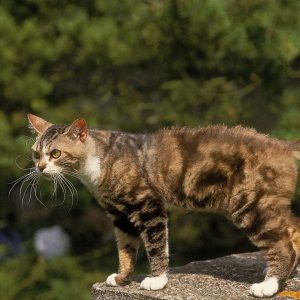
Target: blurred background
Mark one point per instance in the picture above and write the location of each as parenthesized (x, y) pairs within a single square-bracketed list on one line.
[(136, 66)]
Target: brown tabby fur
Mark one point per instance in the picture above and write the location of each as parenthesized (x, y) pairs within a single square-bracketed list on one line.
[(247, 176)]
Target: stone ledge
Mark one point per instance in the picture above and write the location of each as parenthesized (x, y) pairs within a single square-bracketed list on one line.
[(224, 278)]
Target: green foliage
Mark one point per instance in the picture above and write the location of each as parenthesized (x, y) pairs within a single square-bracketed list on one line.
[(129, 59), (36, 278), (137, 66)]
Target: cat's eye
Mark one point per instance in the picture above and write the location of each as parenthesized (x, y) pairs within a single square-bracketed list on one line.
[(36, 155), (55, 153)]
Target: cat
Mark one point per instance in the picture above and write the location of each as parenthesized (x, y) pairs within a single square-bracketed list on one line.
[(247, 176)]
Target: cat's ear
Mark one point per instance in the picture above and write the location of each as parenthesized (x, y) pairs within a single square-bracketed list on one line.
[(78, 130), (38, 124)]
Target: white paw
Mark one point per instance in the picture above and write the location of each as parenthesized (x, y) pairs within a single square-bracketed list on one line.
[(154, 283), (267, 288), (111, 281)]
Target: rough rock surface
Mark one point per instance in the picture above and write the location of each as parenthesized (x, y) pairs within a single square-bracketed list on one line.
[(224, 278)]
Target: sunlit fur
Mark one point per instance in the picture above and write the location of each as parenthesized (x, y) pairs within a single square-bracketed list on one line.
[(247, 176)]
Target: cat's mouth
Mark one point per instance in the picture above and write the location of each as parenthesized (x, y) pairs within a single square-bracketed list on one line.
[(47, 175)]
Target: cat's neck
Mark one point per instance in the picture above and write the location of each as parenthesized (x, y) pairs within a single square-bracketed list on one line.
[(112, 161), (90, 170)]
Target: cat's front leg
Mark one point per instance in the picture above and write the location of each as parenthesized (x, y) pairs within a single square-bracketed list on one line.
[(155, 238), (128, 244)]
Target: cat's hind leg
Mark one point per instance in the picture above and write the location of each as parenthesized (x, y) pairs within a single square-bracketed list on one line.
[(266, 219), (281, 257), (155, 238)]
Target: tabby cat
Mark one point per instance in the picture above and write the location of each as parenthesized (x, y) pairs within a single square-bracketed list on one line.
[(245, 175)]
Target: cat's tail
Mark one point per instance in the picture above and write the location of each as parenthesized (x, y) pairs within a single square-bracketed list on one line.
[(294, 146)]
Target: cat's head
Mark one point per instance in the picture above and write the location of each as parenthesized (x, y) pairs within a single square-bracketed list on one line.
[(58, 148)]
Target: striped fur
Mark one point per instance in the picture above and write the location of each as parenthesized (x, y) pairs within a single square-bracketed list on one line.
[(247, 176)]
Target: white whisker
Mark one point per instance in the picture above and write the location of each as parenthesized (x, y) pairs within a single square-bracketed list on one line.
[(71, 188), (25, 180), (32, 188), (17, 164), (29, 183), (24, 194), (25, 137), (54, 177), (20, 178), (61, 184), (36, 196), (73, 174)]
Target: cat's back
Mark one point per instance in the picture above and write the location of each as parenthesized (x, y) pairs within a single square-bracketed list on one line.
[(217, 134), (219, 138), (215, 156)]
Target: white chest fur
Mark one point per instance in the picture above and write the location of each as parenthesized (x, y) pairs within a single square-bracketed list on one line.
[(91, 174), (92, 169)]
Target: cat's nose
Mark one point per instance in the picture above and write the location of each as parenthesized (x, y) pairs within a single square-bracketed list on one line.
[(41, 167)]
